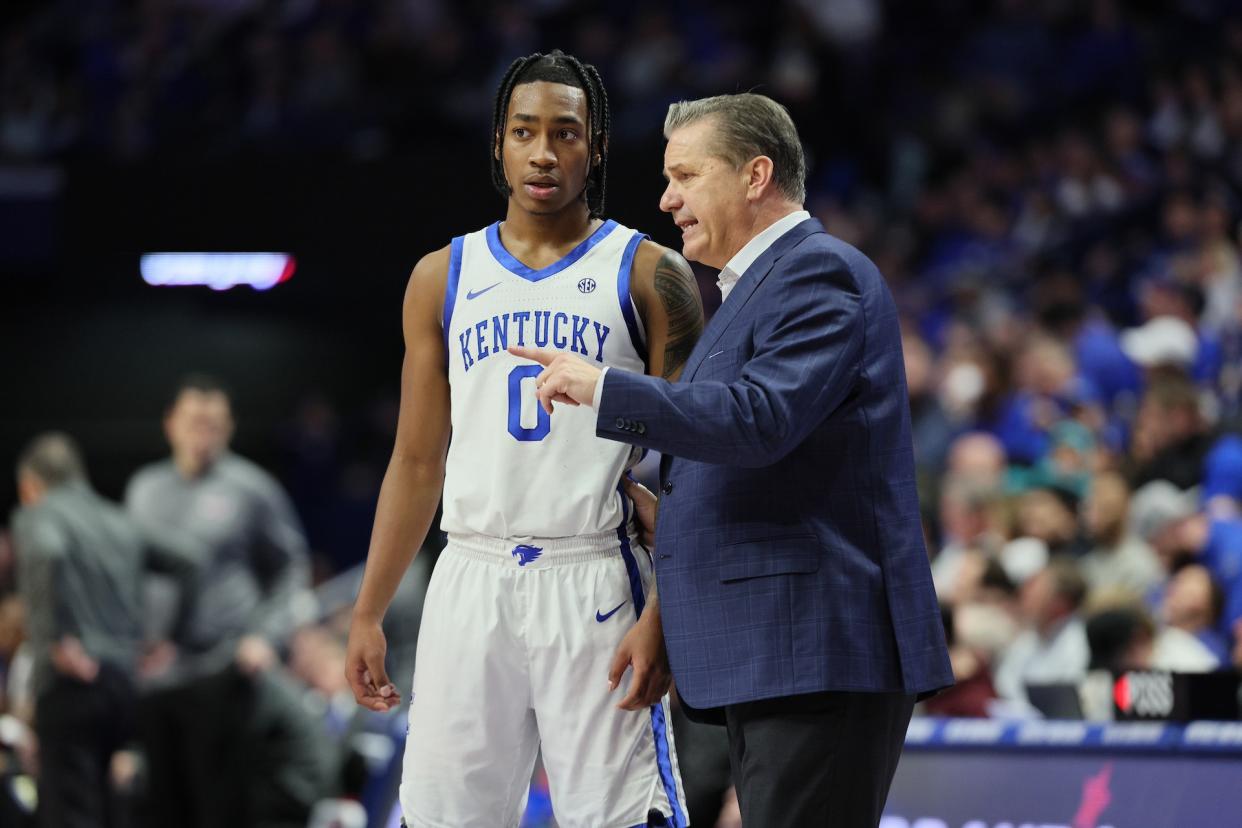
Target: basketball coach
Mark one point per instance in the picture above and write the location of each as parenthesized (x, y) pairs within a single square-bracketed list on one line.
[(794, 586)]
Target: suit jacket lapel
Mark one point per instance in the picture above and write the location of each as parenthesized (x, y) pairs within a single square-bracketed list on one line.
[(742, 291)]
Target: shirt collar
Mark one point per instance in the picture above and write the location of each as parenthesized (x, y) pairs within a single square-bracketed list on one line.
[(753, 249)]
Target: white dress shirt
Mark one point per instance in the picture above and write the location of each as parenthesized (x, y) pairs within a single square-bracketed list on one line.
[(753, 249), (733, 270)]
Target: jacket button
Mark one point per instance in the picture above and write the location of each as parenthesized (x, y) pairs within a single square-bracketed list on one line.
[(641, 428), (667, 488), (621, 423)]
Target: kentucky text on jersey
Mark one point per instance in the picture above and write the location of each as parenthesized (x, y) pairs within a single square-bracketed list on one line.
[(563, 331)]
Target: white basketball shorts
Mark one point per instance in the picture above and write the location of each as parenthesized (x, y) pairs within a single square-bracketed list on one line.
[(513, 654)]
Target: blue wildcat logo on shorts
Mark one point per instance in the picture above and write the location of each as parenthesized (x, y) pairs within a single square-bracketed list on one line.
[(526, 554)]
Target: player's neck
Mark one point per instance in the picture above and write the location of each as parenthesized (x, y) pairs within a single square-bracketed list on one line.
[(556, 230)]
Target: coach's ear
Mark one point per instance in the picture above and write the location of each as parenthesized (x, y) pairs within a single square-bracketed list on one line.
[(759, 172)]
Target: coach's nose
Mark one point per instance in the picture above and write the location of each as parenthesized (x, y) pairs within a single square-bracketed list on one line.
[(670, 199)]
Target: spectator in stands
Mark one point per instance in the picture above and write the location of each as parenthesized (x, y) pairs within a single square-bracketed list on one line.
[(972, 690), (968, 523), (1047, 377), (930, 426), (1049, 514), (1118, 556), (1052, 649), (978, 456), (1191, 612), (1121, 638), (1170, 436)]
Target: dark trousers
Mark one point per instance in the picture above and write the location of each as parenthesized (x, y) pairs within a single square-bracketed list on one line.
[(823, 759), (198, 757), (80, 726)]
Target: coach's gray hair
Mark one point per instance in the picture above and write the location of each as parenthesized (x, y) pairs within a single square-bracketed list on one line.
[(748, 125), (54, 458)]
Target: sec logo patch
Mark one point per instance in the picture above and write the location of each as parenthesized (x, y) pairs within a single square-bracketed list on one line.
[(586, 285)]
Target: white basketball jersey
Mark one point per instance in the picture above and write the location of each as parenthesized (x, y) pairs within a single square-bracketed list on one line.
[(514, 471)]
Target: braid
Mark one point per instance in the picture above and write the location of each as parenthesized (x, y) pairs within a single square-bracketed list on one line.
[(552, 67), (499, 113), (597, 107)]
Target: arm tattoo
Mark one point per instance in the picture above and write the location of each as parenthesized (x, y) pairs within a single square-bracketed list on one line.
[(679, 293)]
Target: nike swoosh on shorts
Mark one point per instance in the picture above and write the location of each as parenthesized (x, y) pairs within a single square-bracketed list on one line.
[(601, 617)]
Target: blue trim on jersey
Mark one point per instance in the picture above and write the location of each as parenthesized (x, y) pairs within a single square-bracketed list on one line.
[(623, 294), (659, 725), (511, 264), (450, 287)]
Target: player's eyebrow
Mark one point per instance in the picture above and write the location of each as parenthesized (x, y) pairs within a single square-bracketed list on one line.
[(559, 119)]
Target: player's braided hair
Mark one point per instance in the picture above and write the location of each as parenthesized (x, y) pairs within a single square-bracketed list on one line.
[(558, 67)]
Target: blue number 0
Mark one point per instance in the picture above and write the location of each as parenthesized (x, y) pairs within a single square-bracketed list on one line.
[(544, 422)]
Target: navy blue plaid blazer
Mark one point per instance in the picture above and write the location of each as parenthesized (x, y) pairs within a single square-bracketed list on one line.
[(789, 548)]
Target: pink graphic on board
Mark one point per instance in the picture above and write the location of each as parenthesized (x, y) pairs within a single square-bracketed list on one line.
[(1095, 798)]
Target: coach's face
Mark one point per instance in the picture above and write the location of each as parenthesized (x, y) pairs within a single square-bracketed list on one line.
[(706, 196), (544, 146)]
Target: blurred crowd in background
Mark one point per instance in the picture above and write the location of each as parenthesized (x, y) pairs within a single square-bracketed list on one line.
[(1053, 191)]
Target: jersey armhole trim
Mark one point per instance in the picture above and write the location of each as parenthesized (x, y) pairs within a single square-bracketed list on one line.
[(450, 286), (624, 298)]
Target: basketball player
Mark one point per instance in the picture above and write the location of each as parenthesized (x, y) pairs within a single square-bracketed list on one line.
[(536, 600)]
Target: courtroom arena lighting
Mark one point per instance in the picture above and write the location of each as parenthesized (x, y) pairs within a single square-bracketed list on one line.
[(218, 271)]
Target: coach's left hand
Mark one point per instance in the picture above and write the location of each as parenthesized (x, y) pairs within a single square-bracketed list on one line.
[(566, 378), (643, 650)]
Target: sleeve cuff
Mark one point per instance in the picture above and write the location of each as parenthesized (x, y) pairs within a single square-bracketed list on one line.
[(599, 389)]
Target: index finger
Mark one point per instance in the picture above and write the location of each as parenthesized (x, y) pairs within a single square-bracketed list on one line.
[(541, 355)]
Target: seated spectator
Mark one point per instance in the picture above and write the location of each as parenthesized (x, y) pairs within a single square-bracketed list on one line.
[(1222, 479), (1048, 388), (1191, 640), (1157, 513), (973, 689), (1121, 638), (1170, 437), (1118, 556), (977, 456), (1049, 514), (1052, 649), (967, 522)]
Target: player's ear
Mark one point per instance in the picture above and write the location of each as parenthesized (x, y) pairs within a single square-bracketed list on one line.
[(496, 145)]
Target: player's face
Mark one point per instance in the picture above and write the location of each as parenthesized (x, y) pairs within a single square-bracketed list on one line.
[(199, 426), (705, 195), (544, 146)]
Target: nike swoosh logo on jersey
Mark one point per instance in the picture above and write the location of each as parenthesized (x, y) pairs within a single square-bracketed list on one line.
[(601, 617), (475, 294)]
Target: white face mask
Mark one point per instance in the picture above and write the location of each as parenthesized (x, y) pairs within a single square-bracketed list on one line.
[(961, 389)]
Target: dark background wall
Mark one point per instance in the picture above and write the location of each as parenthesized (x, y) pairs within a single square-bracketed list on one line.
[(90, 348)]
